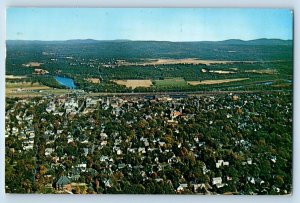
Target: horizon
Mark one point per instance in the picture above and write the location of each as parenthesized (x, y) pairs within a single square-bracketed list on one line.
[(148, 40), (148, 24)]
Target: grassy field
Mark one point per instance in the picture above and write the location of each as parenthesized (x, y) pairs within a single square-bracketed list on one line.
[(170, 82), (264, 71), (26, 89), (213, 82), (222, 71), (93, 80), (13, 77), (193, 61), (134, 83)]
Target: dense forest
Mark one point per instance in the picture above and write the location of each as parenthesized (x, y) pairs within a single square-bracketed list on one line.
[(257, 60), (262, 49)]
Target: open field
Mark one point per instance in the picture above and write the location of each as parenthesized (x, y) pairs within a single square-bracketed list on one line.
[(212, 82), (25, 86), (32, 64), (193, 61), (170, 82), (93, 80), (222, 71), (13, 77), (134, 83), (264, 71), (26, 89)]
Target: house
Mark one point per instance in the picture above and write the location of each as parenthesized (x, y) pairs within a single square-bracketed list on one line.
[(251, 180), (181, 187), (273, 159), (122, 165), (103, 136), (235, 97), (159, 179), (172, 122), (70, 139), (104, 142), (217, 180), (161, 144), (119, 152), (90, 102), (63, 183), (86, 151), (175, 114), (104, 158), (132, 150), (142, 150), (219, 163), (107, 183), (145, 140), (28, 147), (200, 186), (222, 163), (49, 151), (225, 163), (82, 167), (173, 159)]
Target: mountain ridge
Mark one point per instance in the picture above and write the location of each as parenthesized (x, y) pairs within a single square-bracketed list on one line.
[(260, 41)]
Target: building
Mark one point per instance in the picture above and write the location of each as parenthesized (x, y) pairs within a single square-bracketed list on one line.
[(39, 71), (63, 183)]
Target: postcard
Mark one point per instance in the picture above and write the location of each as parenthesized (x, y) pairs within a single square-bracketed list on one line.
[(149, 101)]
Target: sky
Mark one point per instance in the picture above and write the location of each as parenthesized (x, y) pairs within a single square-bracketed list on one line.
[(161, 24)]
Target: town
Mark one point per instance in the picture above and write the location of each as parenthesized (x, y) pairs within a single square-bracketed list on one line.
[(75, 143)]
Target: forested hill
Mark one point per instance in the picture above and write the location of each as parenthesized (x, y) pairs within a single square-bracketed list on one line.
[(233, 49)]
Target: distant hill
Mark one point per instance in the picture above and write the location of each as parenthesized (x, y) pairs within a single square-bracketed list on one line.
[(232, 49), (262, 41)]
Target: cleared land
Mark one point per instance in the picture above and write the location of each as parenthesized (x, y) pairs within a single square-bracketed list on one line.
[(26, 89), (134, 83), (193, 61), (264, 71), (93, 80), (222, 71), (13, 77), (212, 82), (19, 86), (32, 64), (171, 82)]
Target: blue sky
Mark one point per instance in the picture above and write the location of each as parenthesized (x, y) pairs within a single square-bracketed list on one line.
[(189, 24)]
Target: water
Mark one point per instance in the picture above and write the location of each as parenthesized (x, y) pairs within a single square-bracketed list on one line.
[(68, 82), (265, 83)]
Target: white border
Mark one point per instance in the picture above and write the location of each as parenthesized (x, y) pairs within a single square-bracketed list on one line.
[(291, 4)]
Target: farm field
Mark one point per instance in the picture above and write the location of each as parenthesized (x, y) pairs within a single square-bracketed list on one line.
[(192, 61), (13, 77), (93, 80), (134, 83), (170, 82), (264, 71), (222, 71), (212, 82), (26, 89)]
